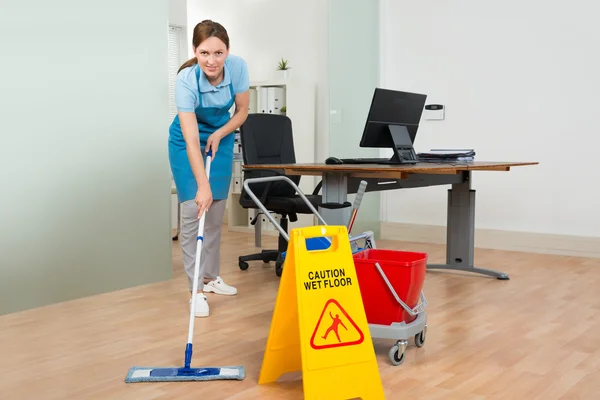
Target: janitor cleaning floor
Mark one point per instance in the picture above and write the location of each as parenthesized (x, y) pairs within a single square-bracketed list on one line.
[(207, 86)]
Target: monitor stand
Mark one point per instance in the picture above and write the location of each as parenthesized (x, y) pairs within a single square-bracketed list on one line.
[(402, 148), (404, 153)]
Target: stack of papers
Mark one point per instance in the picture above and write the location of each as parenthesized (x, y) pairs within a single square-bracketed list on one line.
[(447, 155)]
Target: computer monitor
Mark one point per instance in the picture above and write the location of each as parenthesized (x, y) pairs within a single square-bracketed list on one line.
[(392, 122)]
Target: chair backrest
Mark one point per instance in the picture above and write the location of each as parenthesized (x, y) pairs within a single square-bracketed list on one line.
[(268, 139)]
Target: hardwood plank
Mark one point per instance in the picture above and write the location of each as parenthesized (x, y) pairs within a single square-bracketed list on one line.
[(533, 337)]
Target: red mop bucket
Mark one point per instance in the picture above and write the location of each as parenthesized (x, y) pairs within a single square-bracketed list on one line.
[(405, 273)]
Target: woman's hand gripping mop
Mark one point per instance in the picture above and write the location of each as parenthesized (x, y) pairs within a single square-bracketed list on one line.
[(188, 373)]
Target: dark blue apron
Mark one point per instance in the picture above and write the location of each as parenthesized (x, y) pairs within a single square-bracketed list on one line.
[(209, 120)]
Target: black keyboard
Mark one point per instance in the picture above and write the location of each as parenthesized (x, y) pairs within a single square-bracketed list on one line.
[(364, 160), (371, 161)]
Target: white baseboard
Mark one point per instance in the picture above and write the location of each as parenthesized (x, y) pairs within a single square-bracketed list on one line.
[(579, 246)]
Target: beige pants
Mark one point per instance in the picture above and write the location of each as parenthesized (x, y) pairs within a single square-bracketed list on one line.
[(210, 259)]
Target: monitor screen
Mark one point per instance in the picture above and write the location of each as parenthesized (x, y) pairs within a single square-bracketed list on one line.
[(391, 107)]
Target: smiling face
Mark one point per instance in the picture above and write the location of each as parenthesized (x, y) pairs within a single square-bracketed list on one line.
[(211, 55)]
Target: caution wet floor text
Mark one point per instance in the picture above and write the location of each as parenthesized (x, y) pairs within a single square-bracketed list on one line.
[(319, 324)]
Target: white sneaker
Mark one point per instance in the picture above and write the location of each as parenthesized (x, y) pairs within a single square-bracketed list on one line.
[(219, 287), (202, 309)]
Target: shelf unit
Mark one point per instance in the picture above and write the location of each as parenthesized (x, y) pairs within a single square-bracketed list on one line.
[(271, 96)]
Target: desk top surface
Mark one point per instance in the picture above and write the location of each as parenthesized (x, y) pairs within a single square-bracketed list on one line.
[(419, 168)]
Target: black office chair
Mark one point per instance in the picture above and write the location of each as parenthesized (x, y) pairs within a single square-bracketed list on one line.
[(268, 139)]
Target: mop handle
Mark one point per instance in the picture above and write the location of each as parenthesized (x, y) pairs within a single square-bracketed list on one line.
[(199, 241), (357, 200)]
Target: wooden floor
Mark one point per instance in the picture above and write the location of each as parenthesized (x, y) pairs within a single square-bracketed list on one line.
[(536, 336)]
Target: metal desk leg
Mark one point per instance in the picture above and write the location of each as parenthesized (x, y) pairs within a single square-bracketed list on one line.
[(335, 190), (460, 232)]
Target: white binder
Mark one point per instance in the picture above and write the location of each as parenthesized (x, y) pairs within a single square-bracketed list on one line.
[(263, 99), (253, 106)]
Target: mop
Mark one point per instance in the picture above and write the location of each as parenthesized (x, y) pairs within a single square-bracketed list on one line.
[(362, 187), (188, 373)]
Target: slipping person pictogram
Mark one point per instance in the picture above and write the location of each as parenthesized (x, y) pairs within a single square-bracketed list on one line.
[(335, 326)]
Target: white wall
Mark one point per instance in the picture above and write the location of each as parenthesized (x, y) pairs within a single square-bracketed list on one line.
[(520, 82), (262, 32), (178, 12)]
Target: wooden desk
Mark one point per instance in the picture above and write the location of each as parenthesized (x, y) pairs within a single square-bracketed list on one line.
[(342, 179)]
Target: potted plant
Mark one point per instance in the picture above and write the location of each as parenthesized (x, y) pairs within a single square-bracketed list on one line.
[(283, 68)]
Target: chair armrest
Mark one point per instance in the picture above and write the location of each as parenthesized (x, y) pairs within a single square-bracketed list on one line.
[(317, 188), (254, 173)]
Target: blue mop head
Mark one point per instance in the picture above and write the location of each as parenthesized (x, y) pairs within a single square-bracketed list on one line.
[(179, 374)]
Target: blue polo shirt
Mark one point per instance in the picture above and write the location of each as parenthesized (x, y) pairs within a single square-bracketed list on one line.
[(189, 91)]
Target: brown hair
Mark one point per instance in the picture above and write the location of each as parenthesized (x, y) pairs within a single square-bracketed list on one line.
[(203, 31)]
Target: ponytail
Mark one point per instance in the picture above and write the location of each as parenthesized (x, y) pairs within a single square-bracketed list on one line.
[(188, 63)]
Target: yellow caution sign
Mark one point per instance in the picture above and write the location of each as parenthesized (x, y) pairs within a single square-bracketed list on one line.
[(319, 324)]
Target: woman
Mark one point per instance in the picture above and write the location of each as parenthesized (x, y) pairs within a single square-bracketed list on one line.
[(207, 86)]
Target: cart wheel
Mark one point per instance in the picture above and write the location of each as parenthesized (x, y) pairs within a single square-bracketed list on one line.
[(243, 265), (278, 271), (420, 339), (396, 358)]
